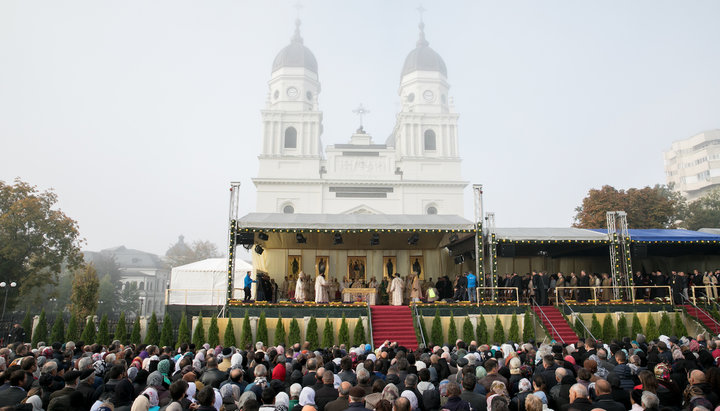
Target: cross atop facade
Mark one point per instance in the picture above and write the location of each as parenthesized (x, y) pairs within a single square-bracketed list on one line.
[(421, 10), (298, 7), (360, 111)]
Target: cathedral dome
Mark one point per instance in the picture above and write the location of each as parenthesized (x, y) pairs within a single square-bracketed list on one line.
[(296, 54), (423, 58)]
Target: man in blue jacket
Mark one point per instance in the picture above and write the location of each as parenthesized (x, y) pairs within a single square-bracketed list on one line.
[(472, 283), (247, 285)]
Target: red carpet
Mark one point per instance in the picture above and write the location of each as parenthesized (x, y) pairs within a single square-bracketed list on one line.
[(705, 319), (393, 323), (562, 332)]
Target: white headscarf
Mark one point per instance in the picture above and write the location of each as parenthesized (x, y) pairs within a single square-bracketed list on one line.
[(218, 399), (412, 398), (36, 403), (307, 396), (192, 389)]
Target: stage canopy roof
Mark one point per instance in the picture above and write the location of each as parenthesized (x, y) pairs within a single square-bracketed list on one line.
[(548, 234), (669, 235), (354, 222)]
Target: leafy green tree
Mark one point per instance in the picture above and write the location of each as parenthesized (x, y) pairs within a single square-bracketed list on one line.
[(499, 331), (135, 337), (85, 287), (129, 298), (36, 239), (183, 330), (166, 334), (528, 326), (246, 334), (73, 331), (328, 339), (651, 330), (41, 330), (311, 334), (468, 333), (262, 329), (229, 337), (27, 322), (152, 335), (481, 331), (280, 336), (609, 331), (665, 327), (359, 333), (58, 330), (436, 332), (679, 326), (214, 332), (636, 327), (88, 334), (452, 330), (704, 212), (595, 327), (622, 327), (199, 332), (648, 207), (103, 335), (514, 333), (344, 333), (121, 328), (294, 332)]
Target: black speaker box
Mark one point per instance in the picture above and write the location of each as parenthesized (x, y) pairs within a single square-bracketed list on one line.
[(507, 250), (245, 238), (639, 250)]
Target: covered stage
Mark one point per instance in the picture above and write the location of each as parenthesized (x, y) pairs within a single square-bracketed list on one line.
[(354, 246)]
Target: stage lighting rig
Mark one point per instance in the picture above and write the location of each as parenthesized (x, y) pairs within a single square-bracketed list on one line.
[(258, 249), (413, 240), (263, 236), (375, 239), (337, 240), (300, 238)]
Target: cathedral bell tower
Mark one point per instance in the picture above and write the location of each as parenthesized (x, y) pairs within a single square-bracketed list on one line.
[(292, 122), (292, 125), (427, 124)]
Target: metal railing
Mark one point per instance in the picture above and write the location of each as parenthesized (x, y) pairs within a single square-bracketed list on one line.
[(535, 304), (717, 324), (578, 314), (372, 341), (418, 320), (595, 289), (493, 292), (706, 291)]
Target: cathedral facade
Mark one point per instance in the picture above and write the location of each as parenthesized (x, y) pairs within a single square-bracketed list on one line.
[(416, 170)]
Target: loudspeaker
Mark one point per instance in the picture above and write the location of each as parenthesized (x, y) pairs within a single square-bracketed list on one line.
[(245, 238), (638, 250), (507, 250)]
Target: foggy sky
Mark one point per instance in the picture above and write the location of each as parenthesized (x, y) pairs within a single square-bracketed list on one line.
[(140, 113)]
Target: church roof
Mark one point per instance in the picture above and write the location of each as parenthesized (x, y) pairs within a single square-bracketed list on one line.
[(423, 58), (296, 54)]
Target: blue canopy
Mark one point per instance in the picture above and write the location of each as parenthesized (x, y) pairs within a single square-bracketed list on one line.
[(667, 235)]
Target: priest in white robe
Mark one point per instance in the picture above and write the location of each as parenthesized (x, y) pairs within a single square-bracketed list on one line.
[(300, 288), (396, 290), (321, 295)]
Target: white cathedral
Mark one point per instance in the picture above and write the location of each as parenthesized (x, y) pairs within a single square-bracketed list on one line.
[(415, 171)]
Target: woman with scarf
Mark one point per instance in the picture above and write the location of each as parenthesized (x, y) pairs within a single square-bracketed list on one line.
[(307, 397)]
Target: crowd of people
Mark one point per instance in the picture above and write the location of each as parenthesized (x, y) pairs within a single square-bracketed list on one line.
[(666, 374)]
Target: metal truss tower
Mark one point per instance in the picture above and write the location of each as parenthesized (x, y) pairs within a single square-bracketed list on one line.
[(620, 261)]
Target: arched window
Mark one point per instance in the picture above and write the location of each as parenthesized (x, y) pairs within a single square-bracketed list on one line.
[(142, 285), (432, 210), (429, 140), (288, 209), (290, 138)]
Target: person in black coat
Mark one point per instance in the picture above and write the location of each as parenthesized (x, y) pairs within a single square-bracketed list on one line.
[(327, 392), (604, 399), (583, 281)]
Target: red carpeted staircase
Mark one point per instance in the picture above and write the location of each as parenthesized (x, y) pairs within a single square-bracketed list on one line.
[(705, 319), (393, 323), (562, 331)]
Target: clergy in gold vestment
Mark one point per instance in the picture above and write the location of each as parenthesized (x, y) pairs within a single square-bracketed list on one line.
[(396, 290), (300, 287)]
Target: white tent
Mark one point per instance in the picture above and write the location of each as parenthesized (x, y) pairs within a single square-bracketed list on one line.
[(203, 282)]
